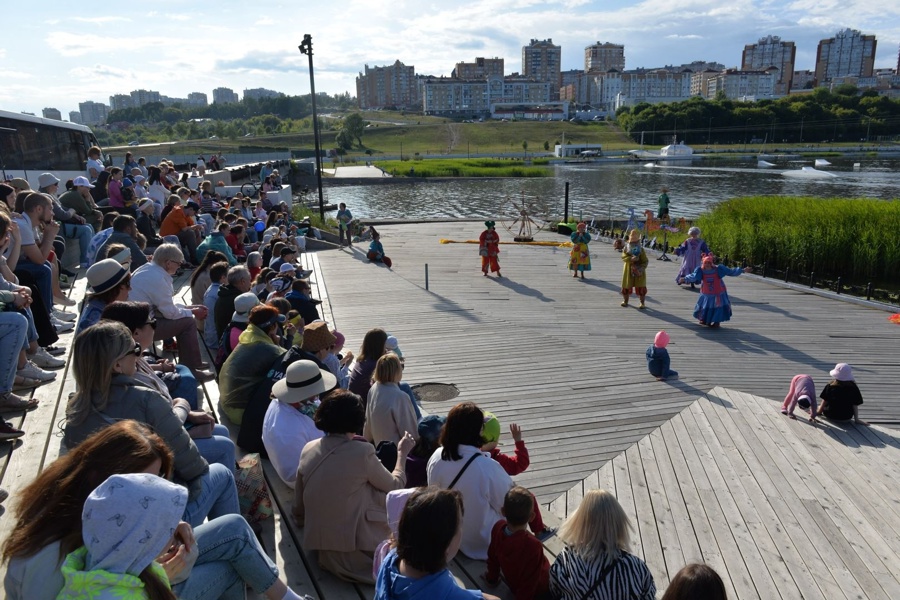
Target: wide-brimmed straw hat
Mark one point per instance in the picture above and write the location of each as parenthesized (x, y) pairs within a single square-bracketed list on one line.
[(303, 380), (317, 336), (106, 274)]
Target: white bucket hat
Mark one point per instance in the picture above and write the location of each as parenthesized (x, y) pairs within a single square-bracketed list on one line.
[(303, 380)]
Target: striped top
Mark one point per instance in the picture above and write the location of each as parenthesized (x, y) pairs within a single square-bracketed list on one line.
[(571, 577)]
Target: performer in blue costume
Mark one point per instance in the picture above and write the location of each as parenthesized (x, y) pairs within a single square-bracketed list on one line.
[(713, 307)]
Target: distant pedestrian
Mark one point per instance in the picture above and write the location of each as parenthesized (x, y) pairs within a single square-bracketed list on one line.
[(344, 217), (489, 249), (376, 250), (663, 200), (580, 256)]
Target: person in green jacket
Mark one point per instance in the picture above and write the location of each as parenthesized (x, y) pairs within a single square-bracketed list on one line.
[(127, 522), (216, 241)]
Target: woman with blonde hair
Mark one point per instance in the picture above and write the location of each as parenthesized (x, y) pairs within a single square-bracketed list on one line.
[(595, 564), (104, 361), (389, 410)]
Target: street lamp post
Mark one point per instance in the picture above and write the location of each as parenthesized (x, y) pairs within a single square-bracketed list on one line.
[(801, 128), (746, 128), (709, 132), (306, 48)]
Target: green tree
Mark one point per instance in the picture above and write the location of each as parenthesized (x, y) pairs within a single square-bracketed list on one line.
[(546, 144), (355, 125), (343, 139)]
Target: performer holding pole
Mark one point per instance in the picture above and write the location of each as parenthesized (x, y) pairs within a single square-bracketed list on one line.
[(489, 249)]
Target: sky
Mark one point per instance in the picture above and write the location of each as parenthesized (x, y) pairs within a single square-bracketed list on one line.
[(56, 53)]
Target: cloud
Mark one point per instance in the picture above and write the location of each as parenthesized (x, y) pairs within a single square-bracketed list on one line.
[(690, 36), (7, 74), (100, 20), (99, 72), (75, 44)]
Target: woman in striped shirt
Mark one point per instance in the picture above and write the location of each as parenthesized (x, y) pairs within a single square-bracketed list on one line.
[(596, 565)]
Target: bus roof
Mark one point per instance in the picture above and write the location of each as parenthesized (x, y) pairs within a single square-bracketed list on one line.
[(5, 114)]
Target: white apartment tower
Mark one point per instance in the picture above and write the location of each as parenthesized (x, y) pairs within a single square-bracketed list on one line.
[(771, 51)]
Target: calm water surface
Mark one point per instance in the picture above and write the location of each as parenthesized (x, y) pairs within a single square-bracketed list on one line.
[(602, 190)]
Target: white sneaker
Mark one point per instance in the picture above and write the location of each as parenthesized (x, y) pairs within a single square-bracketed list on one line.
[(43, 360), (61, 326), (63, 315), (35, 372)]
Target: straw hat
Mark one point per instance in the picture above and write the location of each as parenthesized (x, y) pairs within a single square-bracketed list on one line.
[(302, 381), (106, 274), (316, 337)]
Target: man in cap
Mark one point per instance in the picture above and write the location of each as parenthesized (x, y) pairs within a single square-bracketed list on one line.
[(73, 225), (180, 223), (80, 200)]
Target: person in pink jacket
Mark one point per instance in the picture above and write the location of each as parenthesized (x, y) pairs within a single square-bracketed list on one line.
[(802, 392)]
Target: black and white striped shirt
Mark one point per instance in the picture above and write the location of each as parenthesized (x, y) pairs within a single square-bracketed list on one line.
[(571, 577)]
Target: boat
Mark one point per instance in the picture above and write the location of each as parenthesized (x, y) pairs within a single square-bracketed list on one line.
[(808, 173), (674, 151), (821, 162), (764, 164)]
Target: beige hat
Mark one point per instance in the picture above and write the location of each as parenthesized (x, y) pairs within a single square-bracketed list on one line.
[(20, 184), (303, 380), (316, 336), (106, 274)]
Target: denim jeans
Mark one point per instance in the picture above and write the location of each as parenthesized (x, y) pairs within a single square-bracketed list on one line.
[(412, 398), (229, 557), (83, 233), (218, 496), (217, 449), (43, 278), (186, 387), (13, 331)]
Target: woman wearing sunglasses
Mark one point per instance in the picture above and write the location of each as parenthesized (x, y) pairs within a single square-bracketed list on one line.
[(104, 361), (210, 438)]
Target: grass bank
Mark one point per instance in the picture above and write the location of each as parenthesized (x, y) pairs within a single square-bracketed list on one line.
[(476, 167), (855, 239)]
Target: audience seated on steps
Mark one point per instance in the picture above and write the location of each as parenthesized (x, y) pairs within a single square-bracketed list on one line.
[(216, 241), (152, 284), (79, 199), (124, 232), (73, 226), (180, 223), (238, 283)]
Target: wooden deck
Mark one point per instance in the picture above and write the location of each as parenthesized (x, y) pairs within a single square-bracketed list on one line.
[(706, 466)]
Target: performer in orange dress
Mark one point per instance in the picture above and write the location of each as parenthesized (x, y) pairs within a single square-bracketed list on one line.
[(489, 249)]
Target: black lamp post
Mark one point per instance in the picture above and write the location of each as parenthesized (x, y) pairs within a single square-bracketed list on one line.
[(306, 48)]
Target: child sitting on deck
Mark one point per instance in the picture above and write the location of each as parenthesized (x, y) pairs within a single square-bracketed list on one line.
[(513, 465), (658, 358), (515, 553), (841, 398), (802, 392), (376, 250)]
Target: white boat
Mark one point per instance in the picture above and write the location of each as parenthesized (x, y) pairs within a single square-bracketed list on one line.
[(674, 151), (765, 164), (808, 173), (821, 162)]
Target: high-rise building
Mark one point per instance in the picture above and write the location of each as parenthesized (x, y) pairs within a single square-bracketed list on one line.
[(803, 80), (848, 54), (260, 93), (770, 51), (224, 95), (197, 99), (743, 85), (93, 113), (392, 85), (449, 96), (541, 61), (52, 113), (120, 102), (480, 69), (75, 117), (142, 97), (600, 58)]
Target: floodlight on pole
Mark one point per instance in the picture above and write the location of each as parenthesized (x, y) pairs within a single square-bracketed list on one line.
[(306, 48)]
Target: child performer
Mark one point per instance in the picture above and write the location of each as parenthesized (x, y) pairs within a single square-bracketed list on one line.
[(713, 307), (634, 272), (841, 398), (489, 249), (580, 257), (344, 216), (513, 465), (515, 553), (376, 250), (658, 358), (802, 392), (691, 251)]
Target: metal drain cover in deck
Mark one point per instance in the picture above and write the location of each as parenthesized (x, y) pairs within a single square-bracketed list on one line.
[(435, 392)]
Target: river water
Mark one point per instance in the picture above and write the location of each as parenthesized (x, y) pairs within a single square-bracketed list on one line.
[(609, 190)]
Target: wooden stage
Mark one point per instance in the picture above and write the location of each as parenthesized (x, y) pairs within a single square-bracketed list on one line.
[(706, 466)]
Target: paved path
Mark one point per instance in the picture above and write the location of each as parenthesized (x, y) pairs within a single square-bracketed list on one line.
[(356, 172)]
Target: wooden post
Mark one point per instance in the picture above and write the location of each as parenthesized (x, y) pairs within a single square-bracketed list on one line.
[(426, 276)]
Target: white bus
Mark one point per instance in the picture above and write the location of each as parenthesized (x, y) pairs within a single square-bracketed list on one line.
[(31, 145)]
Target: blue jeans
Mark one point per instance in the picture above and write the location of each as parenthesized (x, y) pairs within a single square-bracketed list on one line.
[(217, 449), (13, 330), (82, 233), (229, 557), (218, 496), (43, 279), (412, 398), (186, 387)]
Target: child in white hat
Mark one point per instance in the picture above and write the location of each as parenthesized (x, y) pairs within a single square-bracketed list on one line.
[(841, 398)]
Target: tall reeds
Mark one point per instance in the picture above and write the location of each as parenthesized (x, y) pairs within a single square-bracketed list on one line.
[(856, 239)]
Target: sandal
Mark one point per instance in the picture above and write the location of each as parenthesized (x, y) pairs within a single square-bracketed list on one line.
[(10, 402), (25, 383)]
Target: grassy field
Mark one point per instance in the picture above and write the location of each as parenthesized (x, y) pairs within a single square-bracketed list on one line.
[(461, 167), (856, 239)]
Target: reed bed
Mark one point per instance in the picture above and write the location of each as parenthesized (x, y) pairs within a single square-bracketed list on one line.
[(855, 239), (475, 167)]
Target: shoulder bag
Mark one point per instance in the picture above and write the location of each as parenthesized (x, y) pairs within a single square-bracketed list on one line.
[(463, 470)]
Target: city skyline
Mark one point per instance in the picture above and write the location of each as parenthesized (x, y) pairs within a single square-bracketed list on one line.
[(57, 58)]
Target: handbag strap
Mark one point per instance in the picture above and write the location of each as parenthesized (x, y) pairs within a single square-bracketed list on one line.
[(601, 578), (463, 470)]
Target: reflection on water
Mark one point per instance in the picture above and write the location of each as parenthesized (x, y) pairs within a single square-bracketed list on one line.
[(608, 190)]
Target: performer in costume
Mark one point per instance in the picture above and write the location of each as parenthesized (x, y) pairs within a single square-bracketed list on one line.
[(580, 257), (690, 251), (713, 306), (489, 249), (376, 250), (663, 200), (634, 272)]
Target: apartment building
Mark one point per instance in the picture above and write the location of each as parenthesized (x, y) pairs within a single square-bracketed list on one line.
[(260, 93), (771, 51), (482, 68), (447, 96), (75, 117), (600, 58), (224, 95), (388, 86), (51, 113), (743, 85), (541, 61), (93, 113), (848, 54), (142, 97), (120, 102), (643, 85)]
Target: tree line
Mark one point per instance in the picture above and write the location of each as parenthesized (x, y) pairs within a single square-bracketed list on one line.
[(821, 116)]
